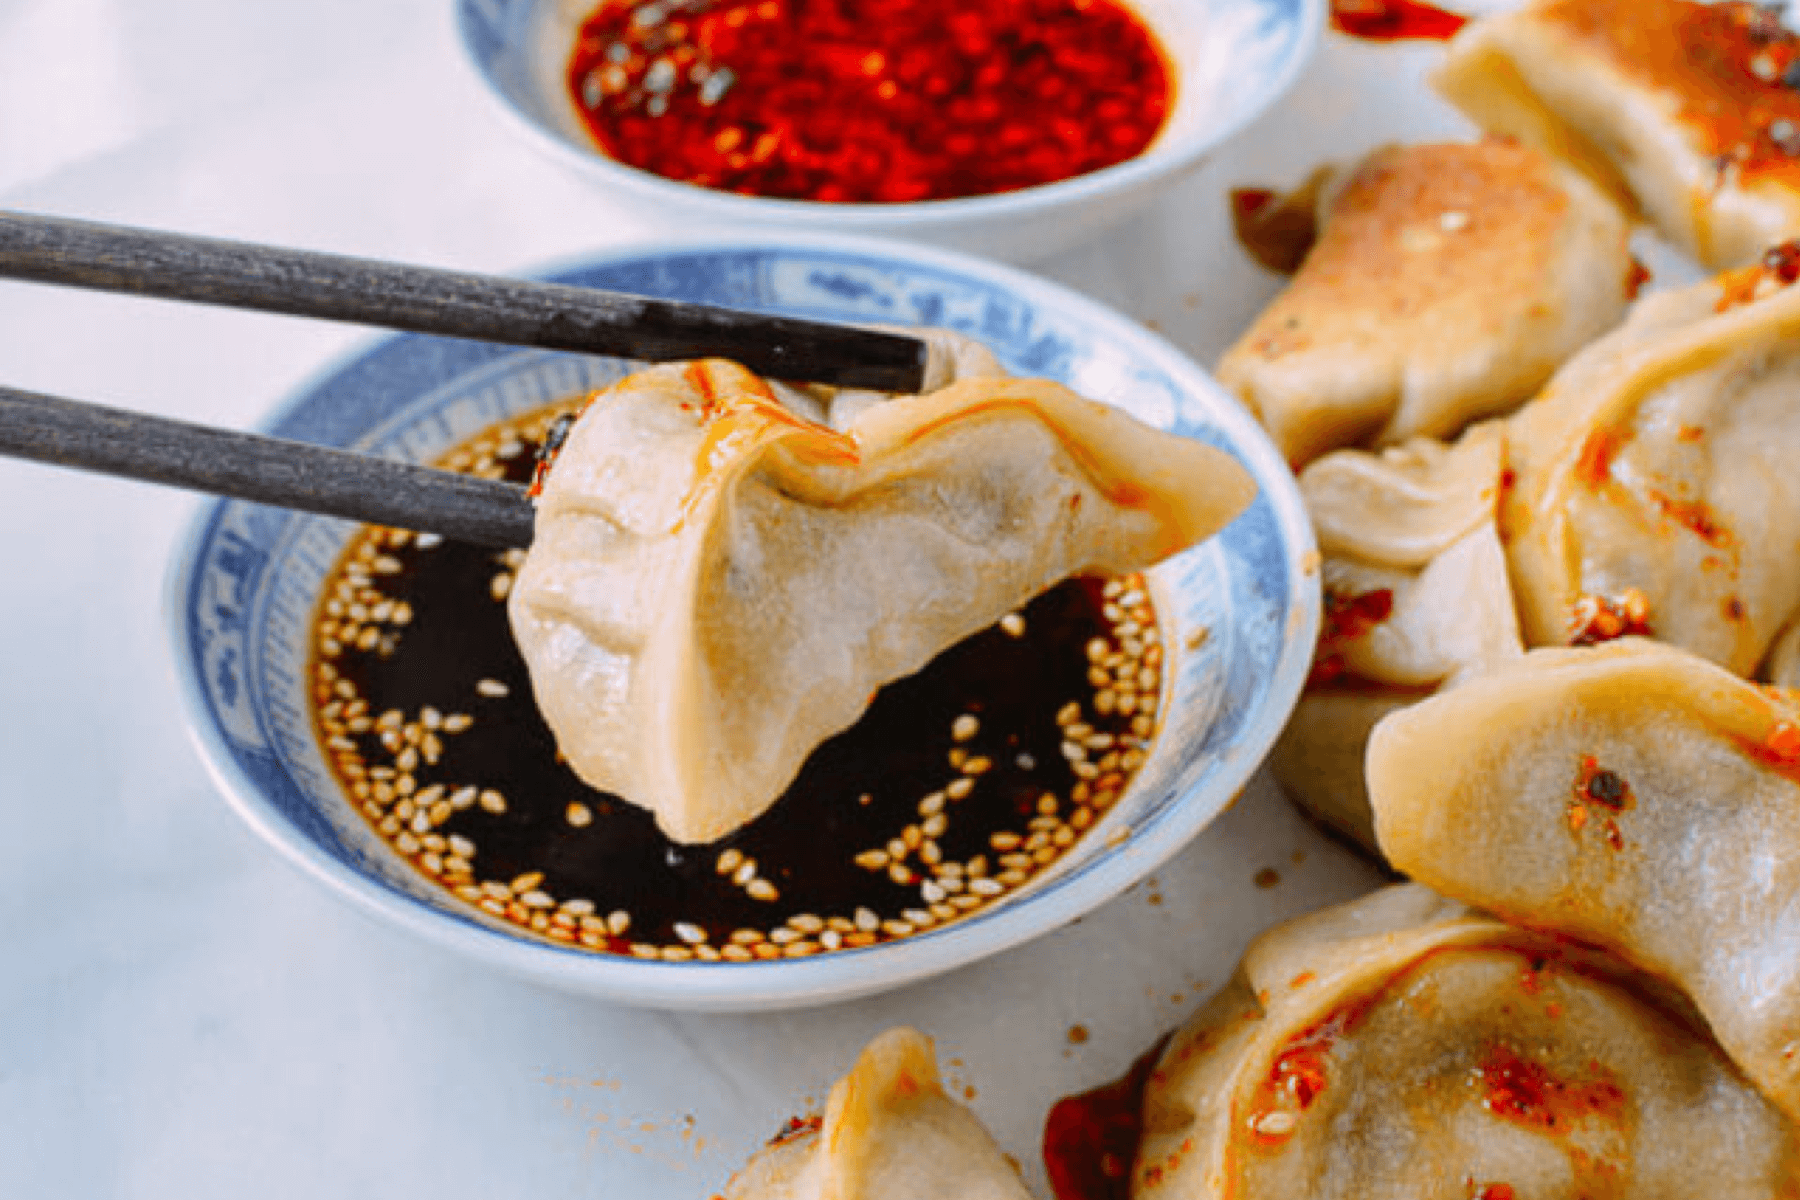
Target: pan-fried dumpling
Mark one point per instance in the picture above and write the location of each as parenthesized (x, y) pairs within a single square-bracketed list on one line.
[(1416, 598), (1405, 1047), (889, 1133), (1447, 283), (1657, 471), (1686, 111), (716, 585), (1633, 796)]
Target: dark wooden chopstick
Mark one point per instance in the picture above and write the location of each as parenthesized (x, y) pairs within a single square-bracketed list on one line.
[(551, 316), (245, 466)]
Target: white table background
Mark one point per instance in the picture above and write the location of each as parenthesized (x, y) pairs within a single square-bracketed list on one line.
[(181, 1013)]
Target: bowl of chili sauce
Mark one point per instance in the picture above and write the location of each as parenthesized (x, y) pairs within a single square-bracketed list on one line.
[(357, 698), (1013, 128)]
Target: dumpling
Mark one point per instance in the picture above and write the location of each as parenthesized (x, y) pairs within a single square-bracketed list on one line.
[(1688, 112), (889, 1133), (1656, 474), (1416, 598), (1402, 1047), (1632, 796), (716, 585), (1447, 283), (949, 356)]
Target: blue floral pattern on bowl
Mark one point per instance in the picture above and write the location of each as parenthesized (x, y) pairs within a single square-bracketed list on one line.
[(1239, 612)]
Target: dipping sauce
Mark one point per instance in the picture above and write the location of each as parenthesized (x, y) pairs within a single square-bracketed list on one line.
[(869, 100), (957, 786), (1395, 20)]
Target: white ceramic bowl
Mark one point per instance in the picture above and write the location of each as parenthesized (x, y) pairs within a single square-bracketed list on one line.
[(1232, 59), (246, 579)]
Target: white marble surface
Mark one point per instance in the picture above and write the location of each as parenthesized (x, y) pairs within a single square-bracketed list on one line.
[(183, 1014)]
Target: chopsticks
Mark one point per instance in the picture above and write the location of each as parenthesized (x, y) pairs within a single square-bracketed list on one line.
[(266, 470), (551, 316)]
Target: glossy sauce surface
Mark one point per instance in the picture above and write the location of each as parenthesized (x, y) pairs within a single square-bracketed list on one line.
[(869, 100)]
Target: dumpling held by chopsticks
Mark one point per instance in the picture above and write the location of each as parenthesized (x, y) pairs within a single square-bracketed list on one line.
[(718, 585)]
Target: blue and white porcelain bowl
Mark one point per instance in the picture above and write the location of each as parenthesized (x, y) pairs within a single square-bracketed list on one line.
[(1240, 612), (1232, 60)]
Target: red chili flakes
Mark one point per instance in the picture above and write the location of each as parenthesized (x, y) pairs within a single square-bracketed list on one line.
[(1091, 1139), (1347, 616), (1694, 516), (1778, 268), (1527, 1093), (797, 1127), (1491, 1191), (861, 101), (1394, 20), (1594, 466), (1601, 789), (1635, 278), (1596, 619)]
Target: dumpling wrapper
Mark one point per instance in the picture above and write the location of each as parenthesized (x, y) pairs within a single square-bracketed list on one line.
[(889, 1133), (716, 586), (1661, 459), (1402, 1047), (1411, 527), (1447, 283), (1658, 101), (1633, 796)]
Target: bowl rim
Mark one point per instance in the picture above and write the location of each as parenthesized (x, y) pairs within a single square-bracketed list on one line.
[(842, 975), (1148, 167)]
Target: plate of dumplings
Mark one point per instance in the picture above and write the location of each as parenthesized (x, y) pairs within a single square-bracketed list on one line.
[(1536, 382)]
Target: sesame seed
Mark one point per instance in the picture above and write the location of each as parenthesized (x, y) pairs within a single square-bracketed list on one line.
[(463, 797), (959, 789), (675, 954), (931, 854), (578, 814), (1068, 714), (457, 722), (707, 953), (500, 586), (1275, 1124), (1048, 804), (736, 954), (934, 826), (640, 950), (1012, 877), (932, 805), (1013, 625), (745, 874), (806, 922), (931, 892), (537, 899), (897, 929), (690, 933), (979, 765), (1004, 840), (918, 918), (728, 861), (872, 860), (492, 688), (746, 937), (900, 874), (762, 889), (784, 936), (800, 949), (866, 920), (492, 801), (965, 727), (985, 887), (831, 939)]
